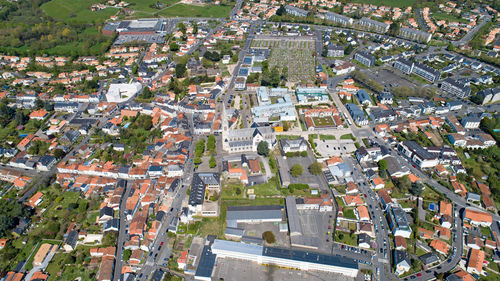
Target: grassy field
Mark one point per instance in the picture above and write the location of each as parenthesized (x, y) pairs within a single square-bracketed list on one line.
[(146, 5), (266, 189), (346, 238), (323, 121), (347, 137), (77, 10), (183, 10), (391, 3), (232, 189), (448, 17), (326, 137)]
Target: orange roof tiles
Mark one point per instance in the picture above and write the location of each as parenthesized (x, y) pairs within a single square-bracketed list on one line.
[(363, 212), (413, 178), (444, 208), (353, 200), (477, 216), (424, 233), (440, 246), (476, 260)]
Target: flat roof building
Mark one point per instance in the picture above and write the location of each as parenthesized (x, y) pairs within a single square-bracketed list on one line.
[(398, 222), (338, 19), (415, 34), (253, 214), (374, 25), (303, 260), (428, 73)]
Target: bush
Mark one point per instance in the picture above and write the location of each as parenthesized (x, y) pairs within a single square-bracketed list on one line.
[(303, 154), (269, 237)]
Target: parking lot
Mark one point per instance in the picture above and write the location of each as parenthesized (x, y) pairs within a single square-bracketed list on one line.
[(252, 271), (315, 227), (390, 79), (306, 177), (328, 148)]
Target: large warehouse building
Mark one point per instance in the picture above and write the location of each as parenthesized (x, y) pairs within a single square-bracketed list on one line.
[(302, 260)]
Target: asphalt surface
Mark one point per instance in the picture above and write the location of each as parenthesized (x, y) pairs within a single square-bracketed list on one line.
[(122, 233)]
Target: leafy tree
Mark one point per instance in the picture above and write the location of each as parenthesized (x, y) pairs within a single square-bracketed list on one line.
[(59, 153), (450, 47), (174, 47), (315, 168), (195, 28), (82, 207), (39, 103), (382, 164), (109, 239), (212, 56), (211, 143), (263, 148), (417, 189), (126, 254), (180, 70), (394, 28), (296, 170), (269, 237), (403, 183), (281, 10), (21, 118), (238, 191), (199, 148), (212, 163), (182, 27), (6, 222), (146, 93)]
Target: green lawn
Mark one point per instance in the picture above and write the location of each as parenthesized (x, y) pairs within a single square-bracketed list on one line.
[(77, 10), (430, 194), (340, 188), (326, 137), (448, 17), (266, 189), (420, 252), (323, 121), (146, 5), (347, 137), (232, 190), (346, 238), (72, 265), (349, 214), (183, 10)]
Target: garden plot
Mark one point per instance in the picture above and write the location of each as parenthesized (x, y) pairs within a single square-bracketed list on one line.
[(296, 54)]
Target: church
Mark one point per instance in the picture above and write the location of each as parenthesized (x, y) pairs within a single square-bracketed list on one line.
[(244, 140)]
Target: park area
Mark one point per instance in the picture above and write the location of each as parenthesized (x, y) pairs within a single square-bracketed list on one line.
[(294, 54)]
